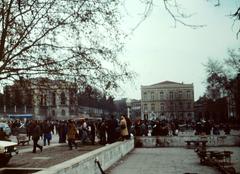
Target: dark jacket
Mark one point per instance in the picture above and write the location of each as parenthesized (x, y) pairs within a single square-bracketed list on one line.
[(36, 132)]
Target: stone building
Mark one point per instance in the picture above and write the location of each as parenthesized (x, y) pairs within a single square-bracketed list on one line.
[(167, 100), (41, 97)]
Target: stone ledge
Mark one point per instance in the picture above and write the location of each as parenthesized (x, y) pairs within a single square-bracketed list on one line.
[(179, 141), (85, 163)]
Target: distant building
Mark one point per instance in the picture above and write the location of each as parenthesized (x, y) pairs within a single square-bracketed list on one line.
[(135, 109), (167, 100), (41, 97)]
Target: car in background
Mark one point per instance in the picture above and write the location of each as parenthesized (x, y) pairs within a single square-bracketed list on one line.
[(5, 128), (7, 150)]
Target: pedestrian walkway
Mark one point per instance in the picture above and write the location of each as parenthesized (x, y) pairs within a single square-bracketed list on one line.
[(166, 161), (29, 147), (51, 155)]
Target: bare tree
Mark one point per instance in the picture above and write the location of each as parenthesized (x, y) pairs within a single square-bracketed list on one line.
[(179, 15), (221, 73), (62, 39)]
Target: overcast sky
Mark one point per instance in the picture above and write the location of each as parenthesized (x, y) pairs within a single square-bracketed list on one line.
[(157, 51)]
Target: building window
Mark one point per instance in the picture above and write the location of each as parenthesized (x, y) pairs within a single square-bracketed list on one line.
[(145, 95), (152, 95), (71, 98), (71, 111), (171, 95), (63, 98), (188, 105), (176, 95), (181, 116), (180, 105), (180, 94), (53, 113), (153, 107), (171, 106), (145, 107), (162, 106), (161, 95), (43, 100), (63, 112), (188, 94), (54, 99)]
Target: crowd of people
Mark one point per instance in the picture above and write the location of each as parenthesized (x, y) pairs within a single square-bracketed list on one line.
[(85, 130), (107, 130), (173, 127)]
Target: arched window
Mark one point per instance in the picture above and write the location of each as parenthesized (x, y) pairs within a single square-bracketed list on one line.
[(63, 98)]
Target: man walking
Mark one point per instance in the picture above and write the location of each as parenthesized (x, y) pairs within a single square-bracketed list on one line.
[(35, 136)]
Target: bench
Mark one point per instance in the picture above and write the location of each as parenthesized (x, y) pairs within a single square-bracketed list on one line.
[(22, 139), (196, 142), (219, 159)]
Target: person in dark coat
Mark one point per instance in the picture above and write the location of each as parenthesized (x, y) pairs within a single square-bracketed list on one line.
[(92, 132), (62, 132), (102, 132), (47, 136), (35, 136), (111, 129)]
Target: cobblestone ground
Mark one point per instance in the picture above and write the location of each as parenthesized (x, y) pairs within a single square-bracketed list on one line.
[(49, 157)]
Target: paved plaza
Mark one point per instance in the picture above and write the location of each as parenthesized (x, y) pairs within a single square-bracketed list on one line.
[(167, 161), (161, 160)]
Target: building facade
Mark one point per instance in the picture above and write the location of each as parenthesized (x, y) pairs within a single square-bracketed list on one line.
[(43, 98), (167, 100)]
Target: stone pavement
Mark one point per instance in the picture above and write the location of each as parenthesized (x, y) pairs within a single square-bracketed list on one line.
[(139, 161), (167, 161), (51, 155)]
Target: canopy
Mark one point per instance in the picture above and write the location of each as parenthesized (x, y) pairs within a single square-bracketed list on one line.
[(20, 115)]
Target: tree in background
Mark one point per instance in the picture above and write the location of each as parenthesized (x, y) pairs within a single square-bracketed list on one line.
[(93, 97), (223, 77), (69, 40)]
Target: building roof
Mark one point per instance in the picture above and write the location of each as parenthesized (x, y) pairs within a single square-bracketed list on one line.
[(165, 82), (168, 83)]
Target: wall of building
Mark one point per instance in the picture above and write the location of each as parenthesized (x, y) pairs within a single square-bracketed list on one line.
[(41, 104), (168, 100)]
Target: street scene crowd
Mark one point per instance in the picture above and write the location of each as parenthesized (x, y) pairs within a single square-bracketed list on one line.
[(105, 131)]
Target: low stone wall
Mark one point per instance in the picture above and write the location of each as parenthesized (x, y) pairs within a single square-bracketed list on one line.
[(85, 163), (179, 141)]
